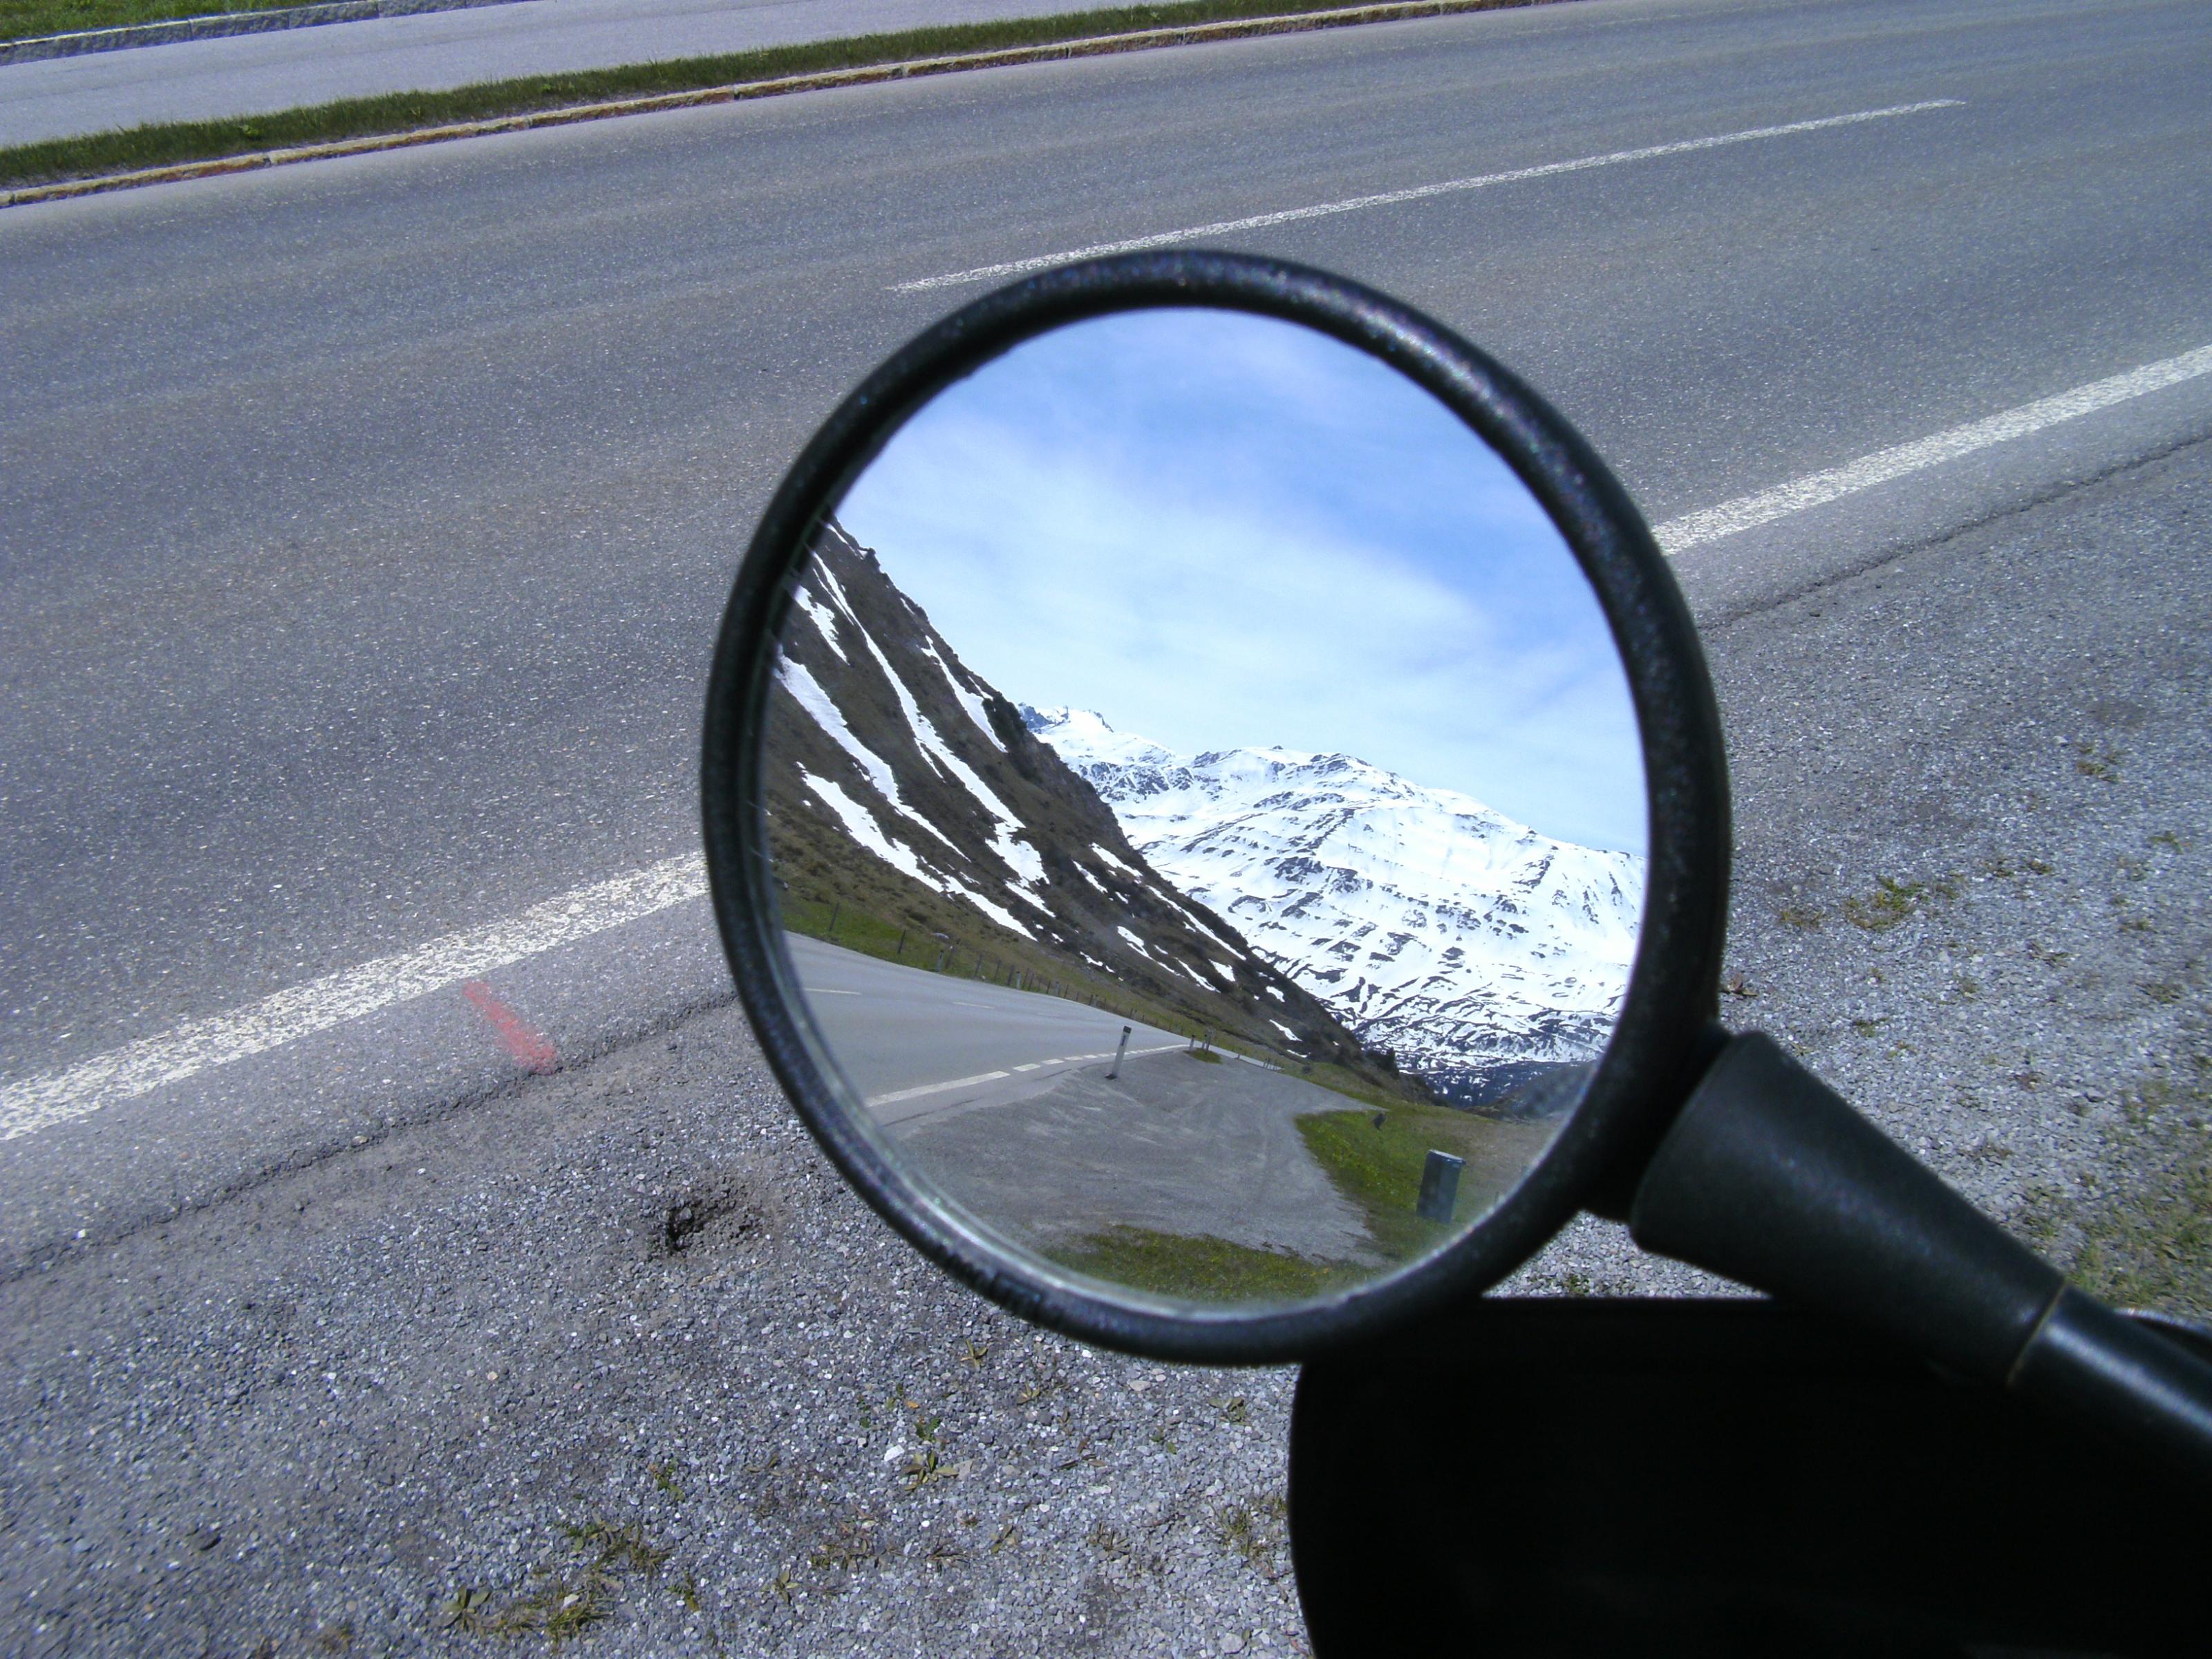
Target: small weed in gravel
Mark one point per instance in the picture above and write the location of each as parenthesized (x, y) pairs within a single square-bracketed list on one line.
[(1891, 904), (854, 1543), (1253, 1531), (1043, 1383), (2097, 761), (924, 1468), (2146, 1242)]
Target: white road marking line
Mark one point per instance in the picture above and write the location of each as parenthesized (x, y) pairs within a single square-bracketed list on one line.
[(824, 991), (920, 1089), (185, 1051), (1678, 535), (38, 1102), (897, 1095), (1419, 192)]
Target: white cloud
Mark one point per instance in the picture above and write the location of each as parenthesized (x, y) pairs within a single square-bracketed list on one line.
[(1221, 529)]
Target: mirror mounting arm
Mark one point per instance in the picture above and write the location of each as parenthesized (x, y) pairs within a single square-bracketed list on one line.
[(1612, 1197), (1768, 1176)]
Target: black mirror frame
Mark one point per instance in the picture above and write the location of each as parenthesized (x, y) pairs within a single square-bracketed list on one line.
[(1662, 1036)]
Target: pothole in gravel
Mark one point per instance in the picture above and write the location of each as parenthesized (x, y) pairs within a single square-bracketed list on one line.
[(710, 1217)]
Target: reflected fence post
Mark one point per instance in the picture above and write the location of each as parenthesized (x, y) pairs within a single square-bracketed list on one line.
[(1439, 1186)]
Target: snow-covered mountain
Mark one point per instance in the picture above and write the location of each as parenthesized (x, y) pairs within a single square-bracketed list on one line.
[(1473, 948), (912, 813)]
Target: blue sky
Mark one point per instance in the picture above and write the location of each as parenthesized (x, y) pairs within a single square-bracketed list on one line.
[(1219, 530)]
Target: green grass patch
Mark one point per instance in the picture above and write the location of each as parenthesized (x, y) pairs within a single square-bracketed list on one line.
[(23, 20), (1891, 904), (360, 118), (1377, 1165), (565, 1600), (1203, 1268), (1390, 1090)]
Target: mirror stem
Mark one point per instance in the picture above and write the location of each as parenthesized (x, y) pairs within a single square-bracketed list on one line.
[(1769, 1177)]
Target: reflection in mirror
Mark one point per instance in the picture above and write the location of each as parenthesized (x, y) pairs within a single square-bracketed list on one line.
[(1206, 810)]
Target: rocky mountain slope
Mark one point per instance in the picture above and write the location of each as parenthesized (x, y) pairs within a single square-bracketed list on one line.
[(1474, 948), (907, 802)]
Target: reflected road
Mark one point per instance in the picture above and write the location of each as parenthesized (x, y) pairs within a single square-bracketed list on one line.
[(912, 1042)]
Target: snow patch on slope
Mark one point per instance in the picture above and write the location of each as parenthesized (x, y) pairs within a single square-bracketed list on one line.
[(1021, 858), (820, 617), (967, 699), (860, 824), (810, 695)]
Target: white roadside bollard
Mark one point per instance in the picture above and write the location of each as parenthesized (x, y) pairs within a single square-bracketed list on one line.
[(1123, 1049)]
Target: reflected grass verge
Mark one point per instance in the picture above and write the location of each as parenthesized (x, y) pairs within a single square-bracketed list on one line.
[(1376, 1159), (395, 116), (1203, 1268)]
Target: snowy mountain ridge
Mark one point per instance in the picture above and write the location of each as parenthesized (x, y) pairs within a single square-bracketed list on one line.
[(1474, 948), (906, 801)]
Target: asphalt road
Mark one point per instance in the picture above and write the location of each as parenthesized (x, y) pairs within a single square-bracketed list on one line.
[(429, 51), (913, 1043), (1000, 1100), (1172, 1145), (363, 527)]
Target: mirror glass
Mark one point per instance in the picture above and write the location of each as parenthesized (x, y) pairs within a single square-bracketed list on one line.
[(1206, 811)]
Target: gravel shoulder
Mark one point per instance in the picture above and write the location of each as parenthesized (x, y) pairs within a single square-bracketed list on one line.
[(1973, 799), (417, 1396), (629, 1302)]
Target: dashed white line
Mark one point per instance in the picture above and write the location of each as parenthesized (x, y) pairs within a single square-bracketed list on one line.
[(897, 1095), (925, 1089), (38, 1102), (1419, 192), (1745, 512)]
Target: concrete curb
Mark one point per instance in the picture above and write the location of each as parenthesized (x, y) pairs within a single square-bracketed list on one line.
[(38, 47), (1089, 47)]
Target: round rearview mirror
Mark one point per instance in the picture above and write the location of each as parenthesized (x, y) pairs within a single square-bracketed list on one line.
[(1213, 806)]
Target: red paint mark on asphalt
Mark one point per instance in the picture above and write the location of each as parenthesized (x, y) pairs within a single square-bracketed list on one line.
[(531, 1048)]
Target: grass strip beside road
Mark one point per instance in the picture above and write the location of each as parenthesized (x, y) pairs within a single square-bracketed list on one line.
[(27, 20), (67, 165)]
